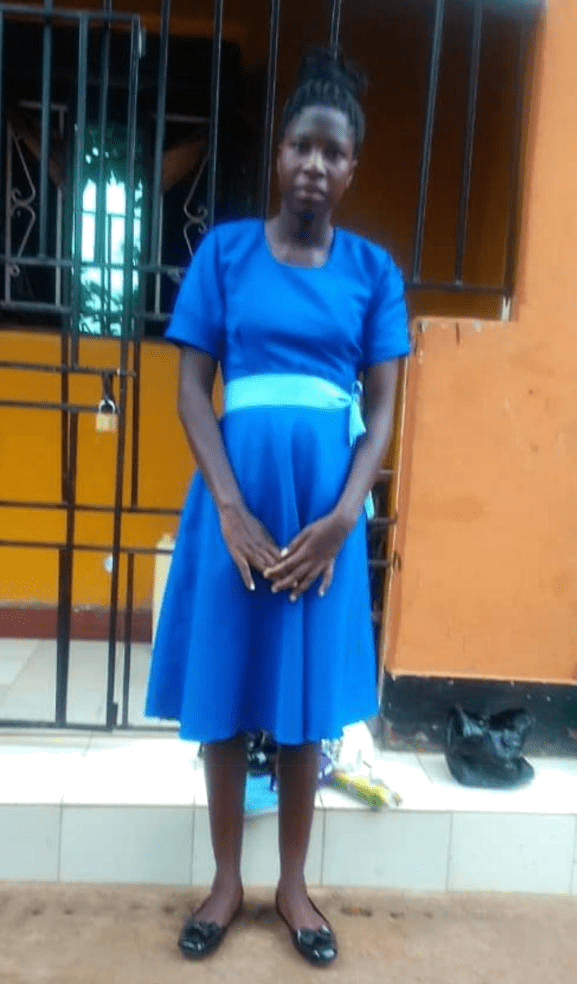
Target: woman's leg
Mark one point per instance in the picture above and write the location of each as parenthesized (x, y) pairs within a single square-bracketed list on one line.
[(225, 770), (298, 767)]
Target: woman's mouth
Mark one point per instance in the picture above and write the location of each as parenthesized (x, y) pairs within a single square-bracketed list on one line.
[(310, 191)]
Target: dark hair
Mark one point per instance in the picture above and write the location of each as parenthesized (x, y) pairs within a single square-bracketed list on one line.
[(325, 78)]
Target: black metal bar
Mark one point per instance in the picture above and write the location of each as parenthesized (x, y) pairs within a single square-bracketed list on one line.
[(68, 407), (452, 288), (99, 231), (45, 132), (111, 708), (417, 285), (465, 193), (335, 28), (65, 577), (425, 167), (133, 505), (1, 92), (35, 307), (516, 155), (160, 129), (102, 212), (47, 367), (380, 523), (50, 262), (88, 507), (214, 108), (156, 316), (162, 268), (128, 639), (100, 548), (271, 73), (82, 547), (79, 151), (135, 444), (62, 13), (64, 419)]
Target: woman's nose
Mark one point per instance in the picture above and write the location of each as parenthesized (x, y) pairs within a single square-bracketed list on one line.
[(315, 162)]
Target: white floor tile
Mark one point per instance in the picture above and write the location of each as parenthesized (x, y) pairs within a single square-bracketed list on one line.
[(28, 681), (29, 843), (143, 772), (561, 763), (14, 654), (127, 844), (106, 742), (31, 776), (389, 759), (31, 695), (511, 853), (46, 743), (391, 849)]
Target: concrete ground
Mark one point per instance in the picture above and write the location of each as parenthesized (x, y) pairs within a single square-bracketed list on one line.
[(78, 934)]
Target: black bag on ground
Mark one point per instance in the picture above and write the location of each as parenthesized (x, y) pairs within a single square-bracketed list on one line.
[(486, 752), (261, 750)]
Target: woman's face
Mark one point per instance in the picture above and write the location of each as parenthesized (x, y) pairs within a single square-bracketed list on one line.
[(316, 160)]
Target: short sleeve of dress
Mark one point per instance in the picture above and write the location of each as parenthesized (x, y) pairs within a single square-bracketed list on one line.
[(386, 332), (198, 317)]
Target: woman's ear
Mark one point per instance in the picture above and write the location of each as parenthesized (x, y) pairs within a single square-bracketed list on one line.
[(352, 171)]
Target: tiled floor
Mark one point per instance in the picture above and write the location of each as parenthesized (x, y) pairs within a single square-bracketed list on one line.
[(27, 690), (28, 681)]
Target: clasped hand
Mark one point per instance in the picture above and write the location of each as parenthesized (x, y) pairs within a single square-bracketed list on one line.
[(309, 556)]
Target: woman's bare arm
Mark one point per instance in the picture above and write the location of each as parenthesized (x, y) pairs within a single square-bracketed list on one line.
[(196, 412), (248, 541), (380, 388)]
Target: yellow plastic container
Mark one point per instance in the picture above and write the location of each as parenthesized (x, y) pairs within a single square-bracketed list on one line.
[(372, 791)]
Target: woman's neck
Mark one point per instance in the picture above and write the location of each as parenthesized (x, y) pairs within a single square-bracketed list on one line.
[(305, 231)]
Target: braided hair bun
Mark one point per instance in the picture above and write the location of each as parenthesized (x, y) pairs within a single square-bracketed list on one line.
[(326, 78), (332, 67)]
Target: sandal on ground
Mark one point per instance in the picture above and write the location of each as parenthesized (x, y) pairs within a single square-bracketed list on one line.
[(318, 946), (198, 939)]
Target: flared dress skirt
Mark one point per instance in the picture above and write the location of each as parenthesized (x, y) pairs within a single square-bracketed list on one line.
[(229, 660)]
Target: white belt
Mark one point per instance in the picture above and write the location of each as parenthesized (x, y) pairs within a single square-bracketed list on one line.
[(298, 390)]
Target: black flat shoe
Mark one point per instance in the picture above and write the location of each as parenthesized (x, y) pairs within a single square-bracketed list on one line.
[(198, 939), (318, 946)]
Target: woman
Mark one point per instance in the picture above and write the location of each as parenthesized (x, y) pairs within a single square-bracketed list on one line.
[(266, 621)]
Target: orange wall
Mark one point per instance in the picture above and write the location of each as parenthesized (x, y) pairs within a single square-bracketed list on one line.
[(30, 456), (489, 579), (392, 43)]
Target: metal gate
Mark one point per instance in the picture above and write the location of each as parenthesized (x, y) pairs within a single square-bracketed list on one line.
[(47, 274)]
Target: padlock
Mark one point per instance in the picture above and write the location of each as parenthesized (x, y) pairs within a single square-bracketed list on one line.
[(107, 418)]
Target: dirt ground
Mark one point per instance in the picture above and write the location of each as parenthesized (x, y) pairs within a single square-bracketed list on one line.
[(60, 934)]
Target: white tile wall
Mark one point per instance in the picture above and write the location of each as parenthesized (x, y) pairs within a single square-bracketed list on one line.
[(512, 853), (394, 849), (155, 845), (29, 842), (127, 844)]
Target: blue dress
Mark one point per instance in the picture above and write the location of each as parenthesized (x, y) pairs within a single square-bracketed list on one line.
[(228, 660)]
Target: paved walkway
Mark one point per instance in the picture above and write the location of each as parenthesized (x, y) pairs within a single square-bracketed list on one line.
[(59, 934)]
